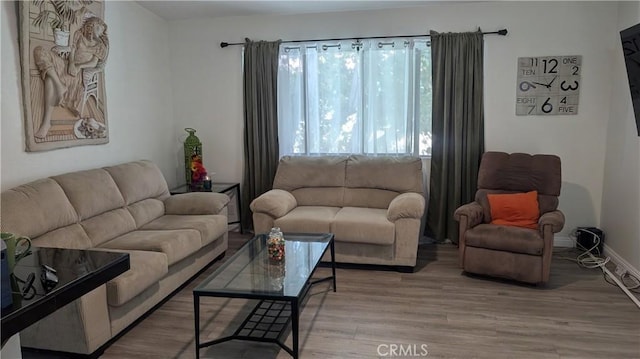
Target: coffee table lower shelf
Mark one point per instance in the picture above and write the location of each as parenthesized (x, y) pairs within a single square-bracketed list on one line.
[(267, 322)]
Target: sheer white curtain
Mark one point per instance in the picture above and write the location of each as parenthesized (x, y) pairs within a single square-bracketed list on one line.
[(353, 96)]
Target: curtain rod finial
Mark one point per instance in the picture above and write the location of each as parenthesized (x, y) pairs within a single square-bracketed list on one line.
[(502, 32), (224, 44)]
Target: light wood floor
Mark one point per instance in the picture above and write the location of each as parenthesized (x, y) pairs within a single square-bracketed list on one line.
[(577, 315)]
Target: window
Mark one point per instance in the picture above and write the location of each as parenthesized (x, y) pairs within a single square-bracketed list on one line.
[(369, 96)]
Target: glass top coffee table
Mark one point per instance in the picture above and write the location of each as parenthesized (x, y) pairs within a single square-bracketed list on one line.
[(279, 287)]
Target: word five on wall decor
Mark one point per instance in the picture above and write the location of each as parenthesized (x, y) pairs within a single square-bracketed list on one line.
[(548, 85)]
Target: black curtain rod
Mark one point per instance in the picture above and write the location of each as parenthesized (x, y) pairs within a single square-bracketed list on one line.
[(502, 32)]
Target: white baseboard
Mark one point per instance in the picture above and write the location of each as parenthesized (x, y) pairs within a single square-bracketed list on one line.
[(619, 261), (568, 242), (563, 241)]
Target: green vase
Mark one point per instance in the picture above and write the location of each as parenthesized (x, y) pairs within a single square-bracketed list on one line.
[(192, 146)]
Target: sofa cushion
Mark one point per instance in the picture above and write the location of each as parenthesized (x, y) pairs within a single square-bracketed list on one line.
[(298, 172), (139, 180), (36, 208), (400, 174), (72, 237), (176, 244), (515, 209), (505, 238), (368, 197), (146, 211), (521, 172), (308, 219), (146, 269), (545, 203), (108, 225), (363, 225), (319, 196), (210, 226), (91, 192)]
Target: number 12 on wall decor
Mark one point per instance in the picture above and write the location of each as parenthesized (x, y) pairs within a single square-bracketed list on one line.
[(548, 85)]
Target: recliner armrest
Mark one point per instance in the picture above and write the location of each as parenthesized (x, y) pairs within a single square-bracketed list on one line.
[(555, 219), (275, 202), (194, 203), (406, 205), (473, 211)]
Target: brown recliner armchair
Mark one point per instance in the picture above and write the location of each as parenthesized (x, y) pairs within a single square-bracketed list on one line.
[(511, 252)]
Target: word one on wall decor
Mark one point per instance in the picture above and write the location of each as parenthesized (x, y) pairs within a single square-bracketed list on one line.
[(548, 85), (64, 47)]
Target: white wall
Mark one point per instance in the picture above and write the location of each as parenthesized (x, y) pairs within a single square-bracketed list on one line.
[(621, 189), (139, 105), (152, 94), (207, 80)]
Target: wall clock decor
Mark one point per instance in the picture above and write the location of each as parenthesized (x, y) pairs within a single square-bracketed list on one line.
[(548, 85)]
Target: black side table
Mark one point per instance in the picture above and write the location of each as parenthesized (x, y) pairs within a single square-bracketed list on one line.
[(219, 187)]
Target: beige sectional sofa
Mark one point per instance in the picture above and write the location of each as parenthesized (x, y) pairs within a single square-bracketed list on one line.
[(125, 208), (373, 205)]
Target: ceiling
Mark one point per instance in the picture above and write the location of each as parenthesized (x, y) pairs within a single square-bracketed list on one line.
[(180, 10)]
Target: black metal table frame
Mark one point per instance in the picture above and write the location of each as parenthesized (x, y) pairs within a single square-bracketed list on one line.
[(270, 300)]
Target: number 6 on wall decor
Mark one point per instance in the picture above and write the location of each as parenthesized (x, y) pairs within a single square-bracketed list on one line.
[(546, 106)]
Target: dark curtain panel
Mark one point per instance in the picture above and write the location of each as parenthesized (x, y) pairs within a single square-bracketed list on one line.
[(458, 127), (260, 122)]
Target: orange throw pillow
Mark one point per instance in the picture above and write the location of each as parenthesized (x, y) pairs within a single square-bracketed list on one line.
[(516, 209)]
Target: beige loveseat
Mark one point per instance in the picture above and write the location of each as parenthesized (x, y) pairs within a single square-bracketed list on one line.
[(125, 208), (373, 205)]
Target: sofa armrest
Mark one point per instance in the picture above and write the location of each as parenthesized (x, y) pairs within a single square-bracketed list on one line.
[(196, 203), (406, 205), (555, 219), (473, 211), (276, 203)]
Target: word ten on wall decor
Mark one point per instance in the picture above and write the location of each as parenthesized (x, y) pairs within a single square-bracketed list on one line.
[(548, 85)]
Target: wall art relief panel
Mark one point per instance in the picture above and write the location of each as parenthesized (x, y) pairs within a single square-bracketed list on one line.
[(64, 47)]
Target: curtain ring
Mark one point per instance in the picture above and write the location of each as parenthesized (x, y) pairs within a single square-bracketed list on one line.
[(326, 47)]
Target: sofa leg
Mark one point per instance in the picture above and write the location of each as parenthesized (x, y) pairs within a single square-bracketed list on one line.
[(219, 257), (405, 269)]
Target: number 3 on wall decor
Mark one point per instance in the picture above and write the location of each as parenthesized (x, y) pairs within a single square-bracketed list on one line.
[(548, 85), (565, 87)]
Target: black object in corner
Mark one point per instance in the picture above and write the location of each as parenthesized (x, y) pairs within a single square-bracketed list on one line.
[(588, 237)]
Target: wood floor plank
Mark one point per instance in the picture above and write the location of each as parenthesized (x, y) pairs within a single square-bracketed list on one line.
[(577, 315)]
